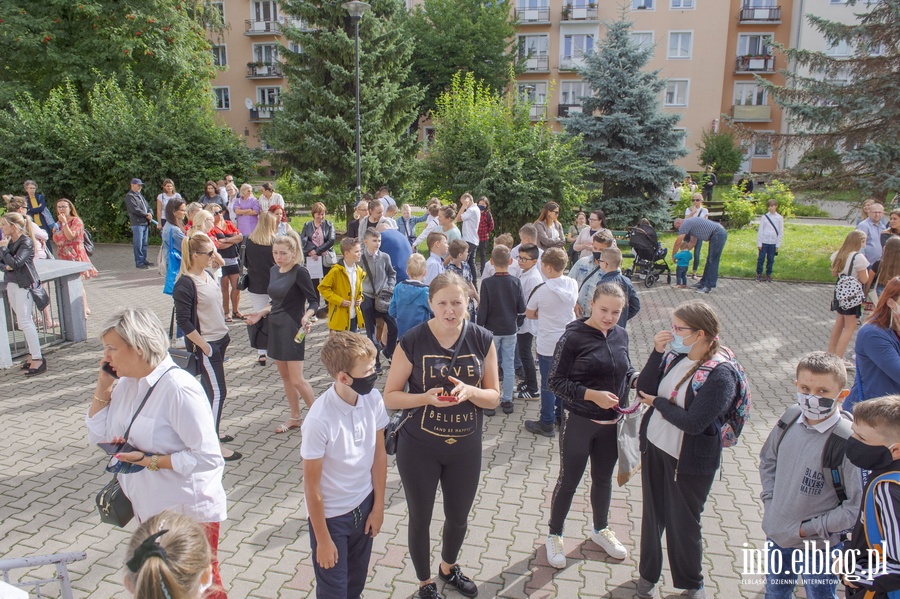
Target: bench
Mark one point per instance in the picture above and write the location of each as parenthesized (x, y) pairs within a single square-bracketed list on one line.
[(716, 211), (623, 242)]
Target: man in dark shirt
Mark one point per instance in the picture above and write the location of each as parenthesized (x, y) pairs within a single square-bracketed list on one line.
[(139, 216), (704, 230)]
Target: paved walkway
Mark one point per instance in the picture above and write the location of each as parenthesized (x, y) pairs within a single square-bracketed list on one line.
[(50, 475)]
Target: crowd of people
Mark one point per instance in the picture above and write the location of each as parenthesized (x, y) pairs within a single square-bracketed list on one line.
[(459, 341)]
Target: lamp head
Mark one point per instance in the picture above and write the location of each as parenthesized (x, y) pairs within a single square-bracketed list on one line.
[(356, 8)]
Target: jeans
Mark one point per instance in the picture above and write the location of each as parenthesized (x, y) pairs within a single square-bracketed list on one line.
[(551, 407), (506, 351), (140, 234), (347, 579), (681, 275), (525, 360), (767, 254), (369, 315), (697, 249), (780, 581), (471, 261), (711, 270)]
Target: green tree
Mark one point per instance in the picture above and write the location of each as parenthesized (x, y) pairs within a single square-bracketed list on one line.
[(88, 148), (49, 42), (849, 104), (486, 144), (720, 150), (631, 142), (315, 132), (460, 35)]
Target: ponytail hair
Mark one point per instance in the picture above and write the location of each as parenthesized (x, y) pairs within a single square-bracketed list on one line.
[(700, 316), (14, 218), (292, 240), (192, 243), (200, 218), (167, 558)]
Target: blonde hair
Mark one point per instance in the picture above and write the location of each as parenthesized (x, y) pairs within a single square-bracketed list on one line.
[(192, 209), (266, 228), (142, 331), (248, 187), (14, 218), (316, 208), (292, 240), (192, 243), (882, 414), (415, 266), (200, 219), (343, 350), (176, 572), (853, 243)]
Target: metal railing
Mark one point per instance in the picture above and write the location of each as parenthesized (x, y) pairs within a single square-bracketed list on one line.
[(45, 320), (536, 63), (750, 14), (62, 573), (755, 64), (262, 70), (540, 14), (264, 112), (253, 27), (579, 13)]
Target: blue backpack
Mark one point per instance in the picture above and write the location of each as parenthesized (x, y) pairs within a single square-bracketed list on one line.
[(872, 525)]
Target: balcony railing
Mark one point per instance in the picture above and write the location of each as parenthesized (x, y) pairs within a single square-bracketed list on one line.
[(252, 27), (761, 14), (570, 63), (263, 112), (564, 110), (579, 13), (754, 64), (534, 64), (527, 16), (752, 114), (264, 70), (538, 112)]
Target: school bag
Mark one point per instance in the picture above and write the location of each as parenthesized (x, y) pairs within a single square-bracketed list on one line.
[(848, 291), (833, 453), (739, 411), (872, 525)]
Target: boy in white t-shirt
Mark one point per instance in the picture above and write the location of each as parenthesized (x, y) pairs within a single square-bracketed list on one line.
[(553, 306), (345, 467)]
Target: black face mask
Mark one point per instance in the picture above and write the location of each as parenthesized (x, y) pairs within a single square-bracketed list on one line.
[(868, 457), (597, 256), (364, 385)]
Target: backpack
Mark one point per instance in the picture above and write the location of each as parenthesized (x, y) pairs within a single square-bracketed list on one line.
[(848, 291), (739, 411), (832, 454), (873, 526)]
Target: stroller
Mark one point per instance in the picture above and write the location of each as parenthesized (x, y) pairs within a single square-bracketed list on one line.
[(649, 256)]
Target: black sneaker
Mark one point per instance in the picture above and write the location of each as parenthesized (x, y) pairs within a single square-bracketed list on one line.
[(462, 583), (507, 407), (429, 591), (526, 394), (489, 412), (539, 428)]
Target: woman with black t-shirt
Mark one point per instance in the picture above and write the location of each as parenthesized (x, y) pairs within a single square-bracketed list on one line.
[(440, 442)]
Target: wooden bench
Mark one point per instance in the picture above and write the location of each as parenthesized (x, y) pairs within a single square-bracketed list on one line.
[(623, 242), (716, 211)]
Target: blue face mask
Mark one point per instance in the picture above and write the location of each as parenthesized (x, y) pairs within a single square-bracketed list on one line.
[(678, 345)]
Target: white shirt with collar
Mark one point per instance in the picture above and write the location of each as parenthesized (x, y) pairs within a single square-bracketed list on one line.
[(823, 426), (176, 421), (344, 437)]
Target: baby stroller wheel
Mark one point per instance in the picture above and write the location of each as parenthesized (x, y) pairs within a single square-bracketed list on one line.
[(650, 280)]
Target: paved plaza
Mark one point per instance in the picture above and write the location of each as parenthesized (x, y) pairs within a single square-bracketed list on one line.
[(50, 474)]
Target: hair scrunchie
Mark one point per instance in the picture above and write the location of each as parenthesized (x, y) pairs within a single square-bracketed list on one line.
[(149, 548)]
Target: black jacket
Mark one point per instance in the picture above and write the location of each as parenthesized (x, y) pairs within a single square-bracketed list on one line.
[(185, 296), (259, 262), (306, 234), (701, 418), (137, 208), (19, 255), (585, 359)]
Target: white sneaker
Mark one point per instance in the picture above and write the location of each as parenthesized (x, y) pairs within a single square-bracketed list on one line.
[(556, 555), (609, 543)]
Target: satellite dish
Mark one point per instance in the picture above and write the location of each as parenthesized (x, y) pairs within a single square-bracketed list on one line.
[(248, 103)]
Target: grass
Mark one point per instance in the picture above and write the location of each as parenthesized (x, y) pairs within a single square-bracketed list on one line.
[(803, 256)]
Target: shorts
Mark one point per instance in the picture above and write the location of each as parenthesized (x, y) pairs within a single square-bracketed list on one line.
[(231, 269)]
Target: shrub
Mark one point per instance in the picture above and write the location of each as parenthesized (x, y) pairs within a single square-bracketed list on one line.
[(775, 190), (739, 210)]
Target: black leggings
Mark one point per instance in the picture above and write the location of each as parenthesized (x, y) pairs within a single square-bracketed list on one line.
[(421, 468), (212, 376), (471, 260), (579, 439), (482, 253)]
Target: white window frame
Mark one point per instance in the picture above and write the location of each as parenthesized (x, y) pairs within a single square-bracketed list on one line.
[(743, 47), (690, 48), (743, 88), (570, 94), (526, 37), (634, 34), (537, 95), (759, 4), (767, 153), (682, 4), (264, 90), (295, 47), (685, 85), (841, 50), (258, 11), (684, 135), (220, 55), (643, 4), (222, 102), (259, 54), (575, 52)]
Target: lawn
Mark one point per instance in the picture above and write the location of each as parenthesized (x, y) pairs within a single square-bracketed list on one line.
[(804, 255)]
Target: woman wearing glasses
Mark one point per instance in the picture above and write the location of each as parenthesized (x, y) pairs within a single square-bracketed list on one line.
[(591, 371), (198, 312), (549, 230), (681, 445), (177, 464), (696, 210), (596, 222)]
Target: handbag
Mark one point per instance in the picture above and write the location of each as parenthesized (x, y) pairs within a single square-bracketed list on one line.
[(112, 503), (243, 281), (173, 266), (848, 291), (259, 334), (185, 359), (329, 259), (40, 296), (382, 296), (399, 418)]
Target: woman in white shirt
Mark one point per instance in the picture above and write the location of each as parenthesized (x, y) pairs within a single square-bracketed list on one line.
[(176, 463)]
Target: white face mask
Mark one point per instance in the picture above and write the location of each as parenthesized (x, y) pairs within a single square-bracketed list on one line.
[(815, 407)]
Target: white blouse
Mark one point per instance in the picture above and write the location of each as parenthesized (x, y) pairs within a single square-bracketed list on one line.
[(176, 421), (660, 431)]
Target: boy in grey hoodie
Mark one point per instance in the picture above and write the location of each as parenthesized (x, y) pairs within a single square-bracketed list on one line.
[(553, 306), (803, 515)]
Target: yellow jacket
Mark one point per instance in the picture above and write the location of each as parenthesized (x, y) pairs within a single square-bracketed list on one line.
[(335, 288)]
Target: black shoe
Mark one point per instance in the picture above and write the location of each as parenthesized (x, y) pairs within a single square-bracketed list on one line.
[(234, 457), (489, 412), (697, 285), (507, 407), (149, 264), (38, 370), (539, 428), (429, 591), (226, 439), (462, 583), (526, 394), (143, 266)]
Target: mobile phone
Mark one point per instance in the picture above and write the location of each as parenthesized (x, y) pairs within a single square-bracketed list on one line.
[(448, 398), (110, 448), (109, 370)]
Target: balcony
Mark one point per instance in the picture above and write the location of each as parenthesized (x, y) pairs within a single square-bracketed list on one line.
[(252, 27), (263, 112), (533, 16), (570, 63), (752, 114), (754, 64), (579, 13), (264, 70), (538, 112), (564, 110), (767, 15), (536, 64)]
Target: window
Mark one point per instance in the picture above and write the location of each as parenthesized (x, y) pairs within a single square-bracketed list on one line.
[(680, 44), (295, 48), (759, 3), (642, 4), (571, 92), (677, 92), (219, 56), (265, 11), (680, 4), (840, 48), (265, 53), (748, 93), (223, 98), (216, 16), (268, 96), (755, 44), (577, 46), (533, 46), (643, 39), (681, 132), (534, 92), (762, 147)]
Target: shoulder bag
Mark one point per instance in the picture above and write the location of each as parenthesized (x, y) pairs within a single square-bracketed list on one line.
[(244, 279), (40, 296), (399, 418), (383, 295), (112, 503)]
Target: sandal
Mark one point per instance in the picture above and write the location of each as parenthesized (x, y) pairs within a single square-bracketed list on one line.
[(261, 361), (237, 315), (228, 318), (287, 426)]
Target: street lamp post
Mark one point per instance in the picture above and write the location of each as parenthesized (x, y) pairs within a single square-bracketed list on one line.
[(356, 10)]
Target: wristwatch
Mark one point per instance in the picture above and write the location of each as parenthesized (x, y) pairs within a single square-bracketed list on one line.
[(154, 465)]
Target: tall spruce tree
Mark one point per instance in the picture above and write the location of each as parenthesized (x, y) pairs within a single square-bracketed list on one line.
[(849, 104), (315, 133), (631, 142)]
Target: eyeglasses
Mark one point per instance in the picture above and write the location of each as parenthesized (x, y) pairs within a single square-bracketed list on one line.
[(208, 254), (593, 218), (526, 259), (678, 330), (698, 200)]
